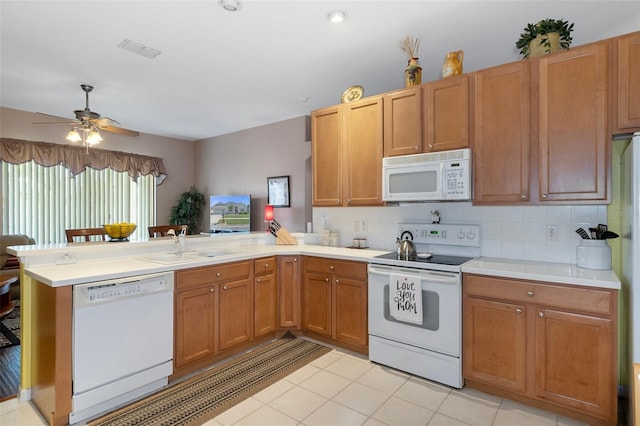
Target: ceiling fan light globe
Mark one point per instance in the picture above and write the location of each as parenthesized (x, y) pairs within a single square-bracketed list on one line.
[(74, 136), (94, 137)]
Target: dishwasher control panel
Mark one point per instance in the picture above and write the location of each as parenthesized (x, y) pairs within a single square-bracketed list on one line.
[(105, 291)]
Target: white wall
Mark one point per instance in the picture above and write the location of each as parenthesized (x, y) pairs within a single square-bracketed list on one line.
[(509, 232), (240, 162)]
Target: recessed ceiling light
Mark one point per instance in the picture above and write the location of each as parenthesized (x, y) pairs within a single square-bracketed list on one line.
[(230, 5), (337, 16)]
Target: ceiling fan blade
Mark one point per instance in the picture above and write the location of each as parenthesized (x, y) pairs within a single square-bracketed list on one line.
[(66, 123), (54, 116), (119, 130), (105, 121)]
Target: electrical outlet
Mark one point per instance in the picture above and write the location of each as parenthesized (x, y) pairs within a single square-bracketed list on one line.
[(364, 226), (356, 226), (65, 258), (551, 232)]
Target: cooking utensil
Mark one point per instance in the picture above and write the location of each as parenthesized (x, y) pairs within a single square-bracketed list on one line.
[(406, 249), (600, 231), (593, 233), (583, 234), (609, 234)]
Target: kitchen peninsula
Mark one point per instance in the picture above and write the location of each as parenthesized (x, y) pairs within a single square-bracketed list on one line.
[(48, 295)]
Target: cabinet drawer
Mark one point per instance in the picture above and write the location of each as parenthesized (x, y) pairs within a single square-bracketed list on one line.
[(213, 274), (344, 268), (265, 265), (598, 301)]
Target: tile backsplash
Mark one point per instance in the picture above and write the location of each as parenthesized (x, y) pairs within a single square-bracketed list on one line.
[(508, 232)]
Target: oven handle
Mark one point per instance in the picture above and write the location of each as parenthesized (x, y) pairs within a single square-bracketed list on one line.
[(433, 276)]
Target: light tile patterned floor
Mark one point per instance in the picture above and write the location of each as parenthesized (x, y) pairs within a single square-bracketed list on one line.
[(342, 388)]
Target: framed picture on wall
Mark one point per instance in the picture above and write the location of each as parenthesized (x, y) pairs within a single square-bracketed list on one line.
[(278, 187)]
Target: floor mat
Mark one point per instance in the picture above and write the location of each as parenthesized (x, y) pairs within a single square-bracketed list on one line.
[(10, 328)]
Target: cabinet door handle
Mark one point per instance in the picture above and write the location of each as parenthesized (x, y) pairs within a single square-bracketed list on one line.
[(295, 259), (225, 287), (259, 280), (541, 314), (326, 280), (530, 293), (212, 289), (545, 196), (518, 311), (332, 267), (430, 146), (417, 148), (523, 196), (266, 265), (218, 274), (337, 281)]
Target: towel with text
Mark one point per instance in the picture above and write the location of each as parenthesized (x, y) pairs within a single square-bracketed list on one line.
[(405, 298)]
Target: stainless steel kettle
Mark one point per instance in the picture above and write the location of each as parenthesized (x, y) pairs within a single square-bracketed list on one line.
[(406, 249)]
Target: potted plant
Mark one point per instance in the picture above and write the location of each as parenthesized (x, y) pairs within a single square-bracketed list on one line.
[(545, 37), (187, 210)]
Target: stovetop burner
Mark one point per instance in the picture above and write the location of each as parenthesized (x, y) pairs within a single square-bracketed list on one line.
[(437, 259)]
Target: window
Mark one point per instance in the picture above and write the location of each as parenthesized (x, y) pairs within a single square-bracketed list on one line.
[(44, 201)]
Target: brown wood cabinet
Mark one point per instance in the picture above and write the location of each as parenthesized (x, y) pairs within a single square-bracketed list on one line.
[(501, 134), (574, 141), (334, 301), (265, 318), (446, 113), (213, 310), (289, 277), (347, 154), (626, 93), (403, 122), (549, 345)]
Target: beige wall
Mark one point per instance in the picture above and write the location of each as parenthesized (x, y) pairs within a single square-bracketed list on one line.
[(240, 162), (177, 154)]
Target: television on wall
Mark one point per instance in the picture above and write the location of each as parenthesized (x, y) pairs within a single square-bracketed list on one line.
[(229, 213)]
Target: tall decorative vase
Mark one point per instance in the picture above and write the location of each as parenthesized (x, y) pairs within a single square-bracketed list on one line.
[(413, 73), (452, 64)]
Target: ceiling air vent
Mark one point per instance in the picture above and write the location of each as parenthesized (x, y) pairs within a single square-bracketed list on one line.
[(140, 49)]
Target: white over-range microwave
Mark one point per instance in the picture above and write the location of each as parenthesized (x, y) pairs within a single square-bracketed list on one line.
[(436, 176)]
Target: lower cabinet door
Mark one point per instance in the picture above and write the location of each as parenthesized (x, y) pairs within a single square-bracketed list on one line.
[(574, 359), (351, 311), (235, 313), (195, 325), (316, 303), (266, 305), (494, 343)]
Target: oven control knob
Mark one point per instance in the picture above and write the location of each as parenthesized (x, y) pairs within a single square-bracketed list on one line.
[(471, 235), (461, 235)]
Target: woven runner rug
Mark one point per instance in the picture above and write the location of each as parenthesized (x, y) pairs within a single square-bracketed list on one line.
[(10, 328), (201, 398)]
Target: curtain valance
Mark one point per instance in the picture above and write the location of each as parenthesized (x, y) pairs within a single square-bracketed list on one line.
[(77, 159)]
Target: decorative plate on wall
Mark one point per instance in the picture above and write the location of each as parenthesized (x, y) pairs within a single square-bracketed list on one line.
[(353, 93)]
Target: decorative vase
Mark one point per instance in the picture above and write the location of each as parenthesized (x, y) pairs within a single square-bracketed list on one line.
[(413, 73), (452, 64), (543, 44)]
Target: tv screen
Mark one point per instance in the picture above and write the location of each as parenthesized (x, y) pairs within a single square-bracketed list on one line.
[(230, 213)]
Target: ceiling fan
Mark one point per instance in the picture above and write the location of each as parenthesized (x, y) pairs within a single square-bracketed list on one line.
[(88, 123)]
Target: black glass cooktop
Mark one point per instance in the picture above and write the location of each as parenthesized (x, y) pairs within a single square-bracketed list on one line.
[(437, 259)]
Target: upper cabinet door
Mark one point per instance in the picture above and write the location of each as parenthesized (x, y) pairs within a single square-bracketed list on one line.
[(573, 136), (326, 157), (363, 152), (501, 134), (446, 113), (403, 122), (627, 77)]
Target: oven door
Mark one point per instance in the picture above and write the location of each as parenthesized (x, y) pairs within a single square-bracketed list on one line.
[(441, 309)]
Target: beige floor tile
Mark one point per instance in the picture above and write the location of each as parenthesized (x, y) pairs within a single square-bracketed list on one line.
[(213, 422), (373, 422), (511, 410), (302, 374), (298, 402), (327, 359), (325, 383), (361, 398), (396, 411), (423, 392), (334, 414), (384, 379), (473, 408), (23, 415), (566, 421), (349, 367), (238, 411), (272, 392), (266, 416), (8, 405), (442, 420)]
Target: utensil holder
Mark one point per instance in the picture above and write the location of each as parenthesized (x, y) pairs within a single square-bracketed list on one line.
[(593, 254)]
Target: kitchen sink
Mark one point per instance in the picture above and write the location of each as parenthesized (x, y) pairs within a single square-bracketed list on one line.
[(214, 253)]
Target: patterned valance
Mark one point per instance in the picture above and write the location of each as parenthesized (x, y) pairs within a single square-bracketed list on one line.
[(77, 158)]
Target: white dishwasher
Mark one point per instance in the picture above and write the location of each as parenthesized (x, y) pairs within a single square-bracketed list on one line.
[(122, 341)]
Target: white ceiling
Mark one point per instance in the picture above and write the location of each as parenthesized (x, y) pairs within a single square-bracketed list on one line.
[(220, 72)]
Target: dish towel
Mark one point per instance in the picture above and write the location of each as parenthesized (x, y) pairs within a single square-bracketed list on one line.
[(405, 298)]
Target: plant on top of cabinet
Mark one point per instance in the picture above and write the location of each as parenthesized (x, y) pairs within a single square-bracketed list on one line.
[(545, 36), (187, 210), (413, 72)]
